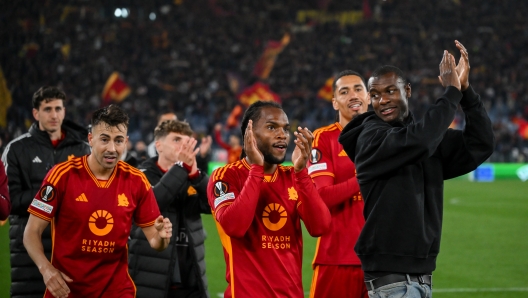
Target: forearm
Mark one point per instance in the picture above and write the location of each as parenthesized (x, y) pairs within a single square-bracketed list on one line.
[(335, 194), (236, 218), (314, 212), (158, 243), (33, 244)]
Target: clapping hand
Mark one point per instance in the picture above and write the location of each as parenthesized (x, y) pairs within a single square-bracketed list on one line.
[(303, 148)]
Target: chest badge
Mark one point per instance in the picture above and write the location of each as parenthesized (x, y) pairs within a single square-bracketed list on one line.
[(292, 193), (122, 200)]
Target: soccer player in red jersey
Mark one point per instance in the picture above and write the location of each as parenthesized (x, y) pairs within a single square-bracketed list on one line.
[(337, 268), (91, 202), (258, 204)]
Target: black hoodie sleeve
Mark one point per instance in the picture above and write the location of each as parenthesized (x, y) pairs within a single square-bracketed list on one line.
[(198, 203), (383, 148), (463, 151)]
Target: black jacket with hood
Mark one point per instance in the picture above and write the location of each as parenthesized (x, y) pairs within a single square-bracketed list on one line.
[(401, 168), (182, 201), (28, 159)]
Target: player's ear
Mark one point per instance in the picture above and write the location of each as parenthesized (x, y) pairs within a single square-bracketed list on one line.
[(90, 137)]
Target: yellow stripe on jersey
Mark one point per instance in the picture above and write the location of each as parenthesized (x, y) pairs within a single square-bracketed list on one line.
[(226, 243), (128, 168), (148, 224), (317, 250), (223, 205), (317, 133), (62, 169), (314, 282), (39, 215), (322, 174)]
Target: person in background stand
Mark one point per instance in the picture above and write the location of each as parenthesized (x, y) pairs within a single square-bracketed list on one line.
[(181, 191), (233, 147), (27, 159), (337, 268)]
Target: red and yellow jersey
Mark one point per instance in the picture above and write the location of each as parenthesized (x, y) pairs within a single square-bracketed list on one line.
[(330, 168), (265, 259), (91, 222)]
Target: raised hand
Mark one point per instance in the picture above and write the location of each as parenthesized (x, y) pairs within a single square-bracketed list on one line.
[(253, 154), (448, 75), (164, 227), (303, 148), (463, 67), (187, 152), (205, 145), (56, 281)]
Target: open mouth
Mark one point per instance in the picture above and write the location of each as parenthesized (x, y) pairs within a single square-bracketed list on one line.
[(280, 147), (387, 111)]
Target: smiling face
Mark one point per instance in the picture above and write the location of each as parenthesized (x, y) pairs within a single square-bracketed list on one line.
[(350, 98), (272, 132), (389, 96), (108, 144)]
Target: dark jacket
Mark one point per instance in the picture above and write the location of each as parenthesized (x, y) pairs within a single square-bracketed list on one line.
[(28, 159), (401, 168), (182, 201)]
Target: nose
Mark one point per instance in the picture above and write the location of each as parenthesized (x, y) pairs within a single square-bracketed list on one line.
[(281, 133), (111, 147), (384, 100)]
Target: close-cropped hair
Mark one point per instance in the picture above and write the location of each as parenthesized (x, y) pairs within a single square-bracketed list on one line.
[(47, 94), (111, 115), (168, 126), (345, 73), (385, 69), (253, 113)]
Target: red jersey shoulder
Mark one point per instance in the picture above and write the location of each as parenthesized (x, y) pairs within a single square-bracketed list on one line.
[(133, 174), (223, 181), (61, 169)]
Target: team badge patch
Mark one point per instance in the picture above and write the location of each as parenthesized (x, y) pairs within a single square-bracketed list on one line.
[(315, 156), (220, 188), (47, 193)]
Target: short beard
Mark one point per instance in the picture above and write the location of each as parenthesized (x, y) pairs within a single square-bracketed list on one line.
[(269, 158)]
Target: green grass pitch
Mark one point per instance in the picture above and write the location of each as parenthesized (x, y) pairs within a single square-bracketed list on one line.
[(484, 249)]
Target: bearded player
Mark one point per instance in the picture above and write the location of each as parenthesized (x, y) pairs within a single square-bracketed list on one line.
[(258, 205), (91, 202)]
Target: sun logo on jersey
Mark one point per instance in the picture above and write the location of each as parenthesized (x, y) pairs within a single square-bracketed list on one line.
[(122, 200), (315, 155), (101, 222), (274, 217)]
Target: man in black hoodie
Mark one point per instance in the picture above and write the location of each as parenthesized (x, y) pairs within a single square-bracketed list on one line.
[(180, 189), (401, 167), (27, 160)]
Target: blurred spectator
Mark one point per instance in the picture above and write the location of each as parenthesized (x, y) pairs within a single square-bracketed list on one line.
[(5, 202)]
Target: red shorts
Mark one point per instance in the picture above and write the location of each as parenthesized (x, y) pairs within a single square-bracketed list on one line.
[(338, 281)]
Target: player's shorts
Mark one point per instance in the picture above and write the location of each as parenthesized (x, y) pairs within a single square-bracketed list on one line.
[(338, 281)]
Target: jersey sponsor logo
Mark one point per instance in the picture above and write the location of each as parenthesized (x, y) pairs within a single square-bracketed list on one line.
[(97, 246), (315, 156), (47, 193), (42, 206), (319, 167), (274, 217), (227, 196), (122, 200), (276, 242), (82, 198), (101, 222), (220, 188), (292, 194)]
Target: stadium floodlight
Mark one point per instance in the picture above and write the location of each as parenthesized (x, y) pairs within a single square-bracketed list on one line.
[(124, 12), (117, 12), (152, 16)]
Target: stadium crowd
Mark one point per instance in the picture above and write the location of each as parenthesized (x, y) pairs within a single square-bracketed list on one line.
[(175, 55)]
